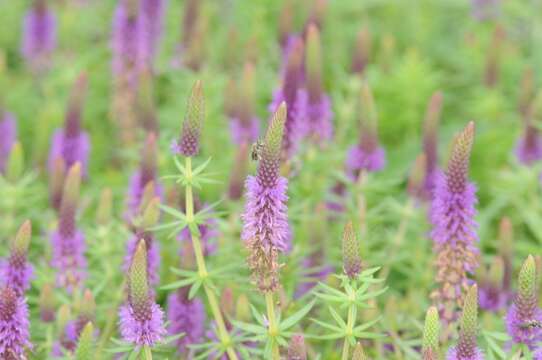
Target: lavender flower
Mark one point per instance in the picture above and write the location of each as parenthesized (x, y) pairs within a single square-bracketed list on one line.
[(466, 348), (244, 125), (152, 13), (297, 349), (295, 99), (529, 146), (39, 35), (430, 142), (141, 319), (525, 316), (454, 229), (185, 316), (14, 335), (16, 271), (188, 144), (8, 136), (367, 155), (431, 332), (266, 231), (144, 177), (67, 242), (318, 117), (70, 143), (492, 296), (362, 51)]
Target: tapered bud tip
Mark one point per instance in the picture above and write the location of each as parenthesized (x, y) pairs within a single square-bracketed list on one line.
[(15, 163), (22, 239), (151, 213), (138, 276), (458, 166), (149, 152), (84, 349), (496, 272), (88, 305), (368, 115), (359, 353), (64, 315), (417, 176), (79, 89), (431, 330), (506, 231), (275, 131), (527, 279), (313, 63), (470, 311), (242, 308), (188, 145), (47, 303), (351, 256), (297, 349), (105, 207)]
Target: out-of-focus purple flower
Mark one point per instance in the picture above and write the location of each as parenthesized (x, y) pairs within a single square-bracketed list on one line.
[(14, 334), (485, 9), (39, 35), (152, 14), (185, 316), (318, 115), (367, 155), (67, 241), (189, 141), (492, 296), (8, 136), (317, 272), (430, 142), (537, 354), (16, 272), (70, 143), (127, 41), (467, 348), (140, 318), (524, 318), (291, 93), (266, 231), (244, 125), (144, 178), (529, 146), (454, 229)]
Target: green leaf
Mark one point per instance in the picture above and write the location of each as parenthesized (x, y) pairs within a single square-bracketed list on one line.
[(201, 167), (194, 289), (337, 317), (179, 284), (296, 317), (250, 328), (329, 326)]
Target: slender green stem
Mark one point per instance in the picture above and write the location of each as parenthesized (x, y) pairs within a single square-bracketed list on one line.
[(147, 352), (273, 329), (202, 269), (349, 330)]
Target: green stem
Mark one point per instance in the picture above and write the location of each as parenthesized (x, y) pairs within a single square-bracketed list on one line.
[(349, 330), (273, 329), (147, 352), (202, 269)]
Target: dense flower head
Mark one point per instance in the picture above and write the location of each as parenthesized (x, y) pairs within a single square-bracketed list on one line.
[(8, 136), (525, 316), (14, 325), (431, 331), (454, 229), (188, 143), (70, 143), (362, 50), (16, 271), (39, 35), (288, 93), (67, 241), (153, 255), (185, 316), (351, 256), (297, 349), (140, 319), (466, 347), (367, 155), (430, 141)]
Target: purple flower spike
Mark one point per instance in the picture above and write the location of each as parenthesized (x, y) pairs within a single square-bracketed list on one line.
[(8, 136), (126, 41), (185, 316), (16, 271), (266, 230), (39, 36), (67, 242), (454, 229), (14, 335), (525, 316), (140, 318), (492, 296), (466, 348), (188, 143), (367, 155), (529, 147), (70, 143), (152, 14), (291, 94), (318, 115)]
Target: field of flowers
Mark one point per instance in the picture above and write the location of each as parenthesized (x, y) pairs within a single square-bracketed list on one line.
[(294, 179)]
